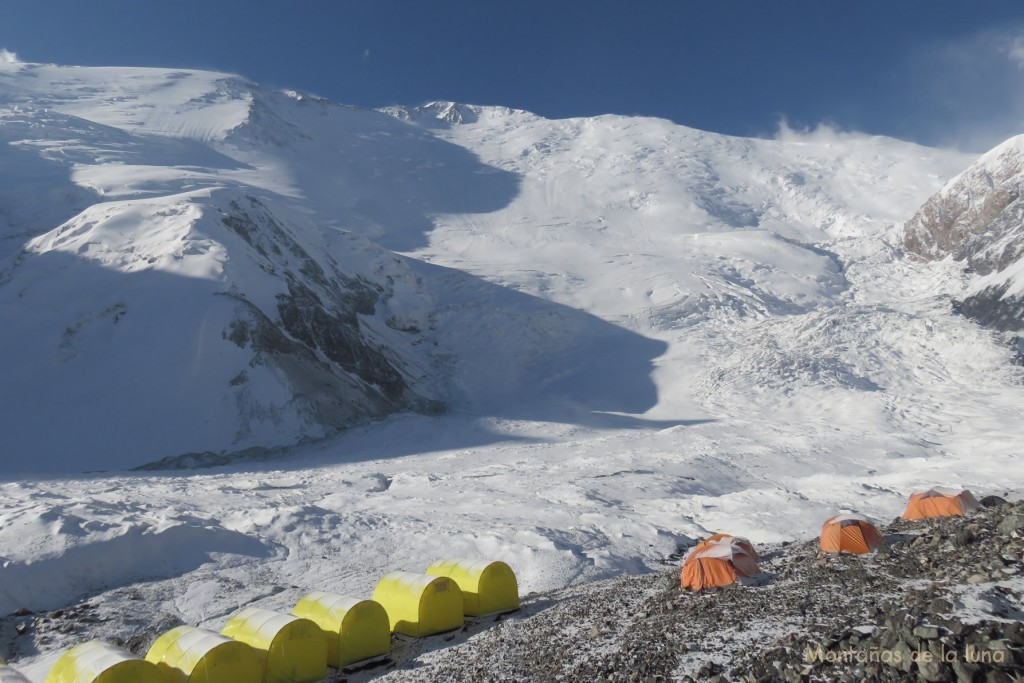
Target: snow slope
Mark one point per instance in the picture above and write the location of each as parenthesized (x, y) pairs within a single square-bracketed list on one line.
[(641, 332), (237, 316)]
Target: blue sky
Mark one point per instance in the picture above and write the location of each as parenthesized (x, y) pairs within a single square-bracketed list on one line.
[(943, 72)]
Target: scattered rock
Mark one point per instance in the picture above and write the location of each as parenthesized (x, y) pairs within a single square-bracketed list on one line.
[(1011, 524), (885, 617), (892, 616)]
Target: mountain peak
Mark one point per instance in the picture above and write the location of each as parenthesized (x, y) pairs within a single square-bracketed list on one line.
[(443, 114)]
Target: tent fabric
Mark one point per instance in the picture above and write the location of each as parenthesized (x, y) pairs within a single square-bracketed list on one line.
[(715, 564), (847, 516), (354, 629), (940, 502), (187, 654), (487, 587), (948, 491), (99, 662), (9, 675), (293, 649), (743, 543), (420, 605), (850, 533)]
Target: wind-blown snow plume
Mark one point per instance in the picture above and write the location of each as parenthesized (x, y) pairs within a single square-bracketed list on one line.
[(822, 132)]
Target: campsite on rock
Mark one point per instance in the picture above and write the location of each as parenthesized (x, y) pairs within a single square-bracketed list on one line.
[(295, 391), (938, 600)]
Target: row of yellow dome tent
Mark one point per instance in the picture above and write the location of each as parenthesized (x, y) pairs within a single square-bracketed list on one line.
[(324, 629), (722, 560)]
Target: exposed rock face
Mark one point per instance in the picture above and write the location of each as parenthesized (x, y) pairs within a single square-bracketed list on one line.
[(978, 218), (319, 312), (994, 307)]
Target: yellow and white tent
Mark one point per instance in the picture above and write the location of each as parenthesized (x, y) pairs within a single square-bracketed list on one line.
[(354, 629), (487, 587), (9, 675), (293, 649), (99, 662), (420, 604), (187, 654)]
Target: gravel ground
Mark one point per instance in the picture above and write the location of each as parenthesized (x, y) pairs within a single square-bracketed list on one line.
[(942, 602)]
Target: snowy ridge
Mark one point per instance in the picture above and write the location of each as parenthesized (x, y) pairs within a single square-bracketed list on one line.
[(198, 105), (641, 333), (200, 297), (445, 114)]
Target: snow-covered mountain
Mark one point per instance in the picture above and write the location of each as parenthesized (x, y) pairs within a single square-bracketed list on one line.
[(163, 305), (637, 333), (978, 219), (200, 267)]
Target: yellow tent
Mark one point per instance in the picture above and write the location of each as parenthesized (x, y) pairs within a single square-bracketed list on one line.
[(420, 604), (487, 587), (293, 649), (9, 675), (187, 654), (99, 662), (354, 629)]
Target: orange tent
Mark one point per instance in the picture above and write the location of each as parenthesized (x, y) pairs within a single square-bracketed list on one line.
[(940, 502), (850, 533), (743, 543), (716, 563)]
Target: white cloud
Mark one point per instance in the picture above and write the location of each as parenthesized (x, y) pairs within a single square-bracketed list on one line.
[(8, 57), (1016, 52), (969, 93), (966, 94)]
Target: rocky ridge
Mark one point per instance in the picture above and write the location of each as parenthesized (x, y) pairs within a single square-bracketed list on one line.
[(978, 219), (977, 216)]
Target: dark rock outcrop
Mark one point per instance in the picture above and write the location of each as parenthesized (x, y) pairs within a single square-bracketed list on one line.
[(978, 218)]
